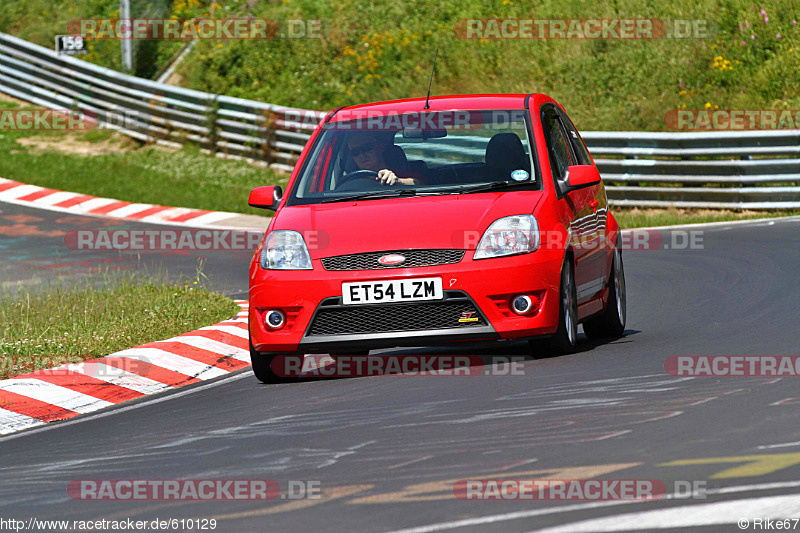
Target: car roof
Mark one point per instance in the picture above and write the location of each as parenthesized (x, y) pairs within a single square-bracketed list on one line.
[(437, 103)]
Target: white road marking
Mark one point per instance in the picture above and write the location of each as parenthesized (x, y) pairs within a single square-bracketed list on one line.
[(410, 462), (210, 218), (171, 361), (130, 407), (55, 198), (232, 330), (54, 395), (498, 518), (129, 210), (91, 204), (214, 346), (707, 514), (122, 378), (784, 445), (11, 422), (19, 191)]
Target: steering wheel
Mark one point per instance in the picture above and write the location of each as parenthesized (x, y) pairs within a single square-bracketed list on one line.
[(364, 179)]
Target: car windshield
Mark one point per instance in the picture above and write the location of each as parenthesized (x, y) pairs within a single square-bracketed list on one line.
[(370, 157)]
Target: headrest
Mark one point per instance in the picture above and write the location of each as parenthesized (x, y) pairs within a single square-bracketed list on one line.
[(505, 153)]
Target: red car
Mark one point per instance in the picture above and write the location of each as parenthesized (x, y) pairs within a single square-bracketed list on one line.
[(424, 222)]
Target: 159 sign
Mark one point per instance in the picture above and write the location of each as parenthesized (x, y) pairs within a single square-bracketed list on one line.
[(70, 44)]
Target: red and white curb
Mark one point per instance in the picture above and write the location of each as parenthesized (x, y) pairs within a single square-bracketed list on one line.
[(43, 396), (15, 192)]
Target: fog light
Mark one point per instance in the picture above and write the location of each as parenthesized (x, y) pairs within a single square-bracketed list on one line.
[(274, 319), (521, 304)]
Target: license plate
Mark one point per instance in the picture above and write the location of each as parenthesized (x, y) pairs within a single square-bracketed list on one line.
[(393, 290)]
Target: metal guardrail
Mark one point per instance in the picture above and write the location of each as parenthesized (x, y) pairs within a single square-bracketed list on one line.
[(742, 169), (155, 112), (753, 169)]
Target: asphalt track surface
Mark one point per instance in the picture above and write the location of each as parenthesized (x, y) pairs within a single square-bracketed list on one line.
[(37, 249), (386, 451)]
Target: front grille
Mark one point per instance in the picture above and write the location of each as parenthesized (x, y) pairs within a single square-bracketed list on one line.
[(333, 318), (414, 258)]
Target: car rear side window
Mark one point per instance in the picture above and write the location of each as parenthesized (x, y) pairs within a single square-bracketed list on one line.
[(577, 143)]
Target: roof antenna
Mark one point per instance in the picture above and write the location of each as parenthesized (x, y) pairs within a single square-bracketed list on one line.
[(427, 98)]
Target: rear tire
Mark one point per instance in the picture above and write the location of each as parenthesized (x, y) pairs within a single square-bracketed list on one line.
[(565, 339), (611, 323)]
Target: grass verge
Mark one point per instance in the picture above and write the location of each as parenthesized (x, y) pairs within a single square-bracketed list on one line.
[(102, 163), (60, 325), (645, 218)]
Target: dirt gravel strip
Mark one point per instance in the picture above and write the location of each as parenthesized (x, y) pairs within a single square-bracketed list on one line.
[(66, 391), (15, 192)]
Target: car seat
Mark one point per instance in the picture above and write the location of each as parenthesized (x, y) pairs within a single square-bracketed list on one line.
[(505, 154)]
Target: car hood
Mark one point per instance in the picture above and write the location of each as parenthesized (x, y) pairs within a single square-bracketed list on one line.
[(448, 221)]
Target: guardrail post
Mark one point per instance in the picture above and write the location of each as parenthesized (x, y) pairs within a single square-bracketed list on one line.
[(266, 152), (212, 113)]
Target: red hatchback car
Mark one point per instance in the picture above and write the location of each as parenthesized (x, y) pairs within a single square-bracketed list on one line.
[(415, 222)]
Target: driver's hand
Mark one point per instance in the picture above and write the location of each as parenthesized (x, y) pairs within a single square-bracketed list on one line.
[(387, 177)]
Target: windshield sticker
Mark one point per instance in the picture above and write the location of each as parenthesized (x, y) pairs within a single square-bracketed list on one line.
[(519, 175)]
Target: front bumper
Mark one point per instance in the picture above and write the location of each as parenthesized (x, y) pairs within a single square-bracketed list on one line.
[(487, 285)]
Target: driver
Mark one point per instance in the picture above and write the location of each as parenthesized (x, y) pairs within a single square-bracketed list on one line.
[(367, 151)]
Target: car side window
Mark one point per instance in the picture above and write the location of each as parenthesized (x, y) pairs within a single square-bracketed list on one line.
[(578, 147), (558, 147)]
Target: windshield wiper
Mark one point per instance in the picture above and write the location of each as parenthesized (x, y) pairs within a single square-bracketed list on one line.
[(493, 186), (372, 195)]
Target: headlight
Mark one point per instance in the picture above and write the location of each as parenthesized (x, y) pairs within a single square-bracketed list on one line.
[(285, 250), (518, 234)]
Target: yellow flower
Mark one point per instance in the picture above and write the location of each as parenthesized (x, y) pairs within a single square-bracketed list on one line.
[(708, 105)]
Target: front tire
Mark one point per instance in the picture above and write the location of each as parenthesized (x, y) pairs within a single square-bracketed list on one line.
[(262, 367), (611, 323), (565, 339)]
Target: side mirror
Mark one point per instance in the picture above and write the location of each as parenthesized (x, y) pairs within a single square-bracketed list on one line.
[(580, 176), (266, 197)]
